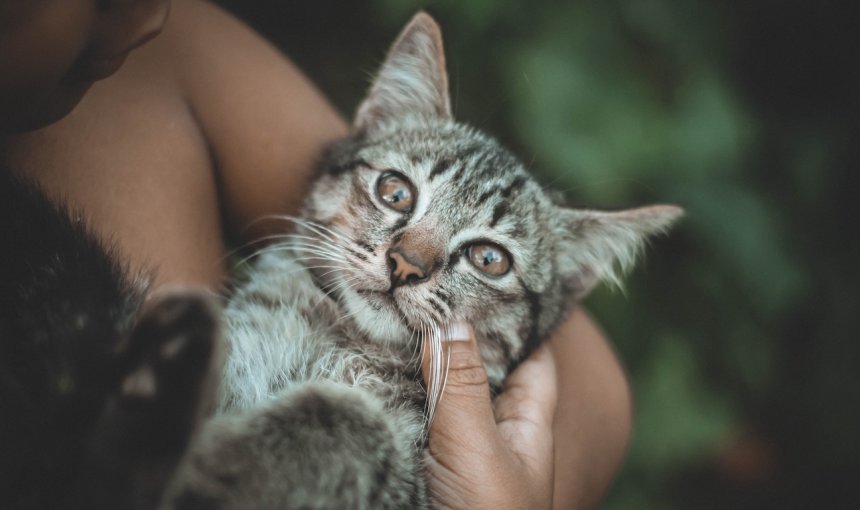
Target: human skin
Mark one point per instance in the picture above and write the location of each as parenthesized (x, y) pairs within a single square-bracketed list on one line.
[(208, 128), (51, 51)]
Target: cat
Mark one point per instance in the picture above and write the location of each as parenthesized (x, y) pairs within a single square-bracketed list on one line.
[(412, 222), (100, 393)]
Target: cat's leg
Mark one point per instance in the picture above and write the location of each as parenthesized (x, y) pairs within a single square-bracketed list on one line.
[(167, 376), (320, 446)]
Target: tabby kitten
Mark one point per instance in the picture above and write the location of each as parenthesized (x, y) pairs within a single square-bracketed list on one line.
[(414, 221)]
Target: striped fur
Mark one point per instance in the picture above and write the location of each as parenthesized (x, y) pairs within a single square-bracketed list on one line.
[(324, 346)]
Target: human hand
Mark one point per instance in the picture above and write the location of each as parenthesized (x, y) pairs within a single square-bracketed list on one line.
[(485, 454)]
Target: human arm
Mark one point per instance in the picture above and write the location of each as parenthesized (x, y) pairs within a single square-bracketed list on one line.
[(203, 130), (264, 121), (594, 417)]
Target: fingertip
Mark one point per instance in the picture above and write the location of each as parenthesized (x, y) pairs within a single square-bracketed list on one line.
[(465, 363), (458, 331), (458, 346)]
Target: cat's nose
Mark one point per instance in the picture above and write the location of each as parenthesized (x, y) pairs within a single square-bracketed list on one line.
[(406, 268)]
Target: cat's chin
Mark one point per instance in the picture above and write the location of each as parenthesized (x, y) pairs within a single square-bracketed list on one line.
[(377, 317)]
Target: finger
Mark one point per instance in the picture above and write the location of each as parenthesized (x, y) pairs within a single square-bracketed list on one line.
[(531, 391), (464, 415), (525, 411)]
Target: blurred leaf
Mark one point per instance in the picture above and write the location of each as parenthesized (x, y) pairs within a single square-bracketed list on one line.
[(679, 419)]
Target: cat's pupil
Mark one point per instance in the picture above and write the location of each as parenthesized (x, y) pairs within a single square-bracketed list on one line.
[(395, 192), (490, 259)]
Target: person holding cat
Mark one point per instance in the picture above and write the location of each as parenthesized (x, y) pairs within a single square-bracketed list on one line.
[(207, 128)]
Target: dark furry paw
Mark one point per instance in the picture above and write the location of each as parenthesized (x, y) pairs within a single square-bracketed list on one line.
[(168, 376), (171, 347)]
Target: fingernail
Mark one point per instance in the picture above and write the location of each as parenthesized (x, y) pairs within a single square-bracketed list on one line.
[(459, 331)]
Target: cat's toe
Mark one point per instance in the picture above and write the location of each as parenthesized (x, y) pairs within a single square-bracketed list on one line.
[(172, 344)]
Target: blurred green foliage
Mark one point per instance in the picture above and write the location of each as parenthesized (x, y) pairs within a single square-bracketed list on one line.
[(740, 329)]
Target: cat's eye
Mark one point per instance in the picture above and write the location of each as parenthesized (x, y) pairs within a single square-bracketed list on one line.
[(396, 191), (489, 258)]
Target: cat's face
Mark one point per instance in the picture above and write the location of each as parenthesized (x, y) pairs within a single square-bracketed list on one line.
[(430, 221), (437, 222)]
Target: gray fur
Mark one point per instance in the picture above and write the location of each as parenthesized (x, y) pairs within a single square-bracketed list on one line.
[(322, 404)]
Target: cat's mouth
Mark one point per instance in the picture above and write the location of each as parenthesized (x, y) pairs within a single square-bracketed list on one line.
[(386, 301), (383, 300), (378, 297)]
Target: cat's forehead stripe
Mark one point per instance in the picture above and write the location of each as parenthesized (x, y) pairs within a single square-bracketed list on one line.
[(515, 185), (443, 165), (459, 160), (499, 210), (459, 173), (503, 190)]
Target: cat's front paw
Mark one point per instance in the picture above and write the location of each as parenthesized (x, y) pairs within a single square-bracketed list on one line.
[(318, 446), (166, 376), (171, 350)]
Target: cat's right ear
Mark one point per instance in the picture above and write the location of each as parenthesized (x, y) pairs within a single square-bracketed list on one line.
[(596, 246), (413, 80)]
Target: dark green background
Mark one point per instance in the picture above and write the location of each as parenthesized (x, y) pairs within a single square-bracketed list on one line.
[(740, 330)]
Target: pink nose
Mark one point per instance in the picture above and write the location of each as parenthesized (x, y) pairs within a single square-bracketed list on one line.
[(406, 268)]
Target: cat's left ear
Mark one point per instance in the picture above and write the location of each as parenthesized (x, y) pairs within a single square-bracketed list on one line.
[(412, 81), (597, 246)]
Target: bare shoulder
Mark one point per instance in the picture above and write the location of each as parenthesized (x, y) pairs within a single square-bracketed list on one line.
[(206, 122), (265, 121), (133, 158)]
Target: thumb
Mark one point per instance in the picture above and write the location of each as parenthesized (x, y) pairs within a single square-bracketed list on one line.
[(464, 418)]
